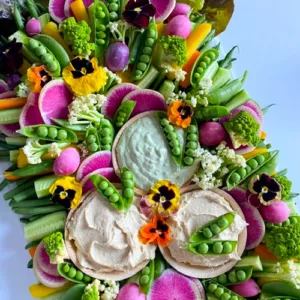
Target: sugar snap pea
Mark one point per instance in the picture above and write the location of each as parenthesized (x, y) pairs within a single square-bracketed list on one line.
[(108, 191), (212, 247), (290, 220), (32, 244), (30, 264), (106, 134), (32, 8), (239, 99), (123, 113), (74, 127), (114, 8), (191, 144), (280, 298), (73, 274), (49, 133), (147, 277), (213, 228), (92, 140), (228, 60), (127, 180), (159, 265), (18, 18), (74, 293), (144, 57), (135, 48), (220, 79), (211, 112), (235, 276)]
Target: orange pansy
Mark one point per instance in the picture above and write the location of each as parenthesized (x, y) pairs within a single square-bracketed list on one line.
[(180, 114), (38, 77)]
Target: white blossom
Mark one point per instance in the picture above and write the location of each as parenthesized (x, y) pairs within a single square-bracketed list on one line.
[(22, 90), (180, 75), (54, 150)]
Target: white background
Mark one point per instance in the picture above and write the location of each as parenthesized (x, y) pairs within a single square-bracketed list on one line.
[(267, 33)]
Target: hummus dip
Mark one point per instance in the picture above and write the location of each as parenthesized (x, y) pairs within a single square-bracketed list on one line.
[(197, 209), (106, 240), (142, 148)]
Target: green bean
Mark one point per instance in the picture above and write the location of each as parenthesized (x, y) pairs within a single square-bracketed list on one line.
[(220, 79), (135, 49), (23, 180), (6, 158), (26, 194), (4, 183), (238, 100), (147, 278), (92, 140), (211, 112), (28, 211), (206, 44), (123, 113), (127, 179), (191, 144), (24, 220), (225, 93), (31, 203), (106, 134), (235, 276), (73, 274), (209, 247), (108, 191), (18, 189), (7, 146), (18, 18), (228, 60), (42, 8), (32, 8), (114, 8)]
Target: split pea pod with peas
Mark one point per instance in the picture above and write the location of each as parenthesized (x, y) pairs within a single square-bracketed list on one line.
[(211, 112), (127, 179), (235, 276), (106, 134), (212, 247), (114, 9), (123, 113), (191, 144), (92, 140), (73, 274)]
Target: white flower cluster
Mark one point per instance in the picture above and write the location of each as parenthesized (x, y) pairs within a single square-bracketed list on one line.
[(109, 290), (229, 156), (113, 26), (294, 273), (180, 96), (54, 150), (112, 75), (22, 90), (201, 97), (178, 73)]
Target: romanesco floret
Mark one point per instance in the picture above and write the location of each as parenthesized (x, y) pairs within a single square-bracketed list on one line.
[(286, 186), (243, 130), (91, 292), (55, 248), (284, 241), (174, 48), (78, 35)]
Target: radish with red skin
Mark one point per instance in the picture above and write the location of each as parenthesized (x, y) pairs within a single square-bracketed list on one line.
[(277, 212), (116, 56), (3, 86), (7, 95), (67, 163), (33, 27), (246, 289), (179, 9), (163, 9), (10, 129), (56, 10), (212, 134), (180, 26), (130, 291)]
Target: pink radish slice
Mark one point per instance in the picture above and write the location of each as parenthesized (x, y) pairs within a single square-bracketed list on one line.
[(256, 227), (8, 95), (199, 288), (115, 97), (3, 86), (256, 108), (163, 9), (96, 161), (173, 285), (54, 100), (130, 291), (56, 10), (108, 173), (10, 129), (30, 114), (146, 100), (67, 7), (238, 194), (246, 289), (43, 261), (179, 9)]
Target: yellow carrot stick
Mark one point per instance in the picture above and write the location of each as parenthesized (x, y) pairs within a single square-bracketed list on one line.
[(40, 291), (255, 152), (79, 11)]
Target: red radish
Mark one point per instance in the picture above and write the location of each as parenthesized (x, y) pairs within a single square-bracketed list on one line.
[(130, 291), (115, 97), (96, 161), (256, 225), (56, 10), (246, 289), (163, 9), (10, 129), (256, 108), (67, 163), (54, 100), (277, 212), (116, 56), (212, 134), (30, 114), (33, 27), (146, 100), (180, 26), (67, 6), (7, 95), (3, 86), (109, 173), (238, 194), (180, 9)]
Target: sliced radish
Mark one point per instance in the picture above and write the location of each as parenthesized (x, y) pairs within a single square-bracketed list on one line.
[(3, 86), (96, 161), (56, 10), (8, 95), (10, 129), (146, 100), (256, 108), (163, 9), (130, 291), (199, 287), (238, 194), (212, 134), (54, 100)]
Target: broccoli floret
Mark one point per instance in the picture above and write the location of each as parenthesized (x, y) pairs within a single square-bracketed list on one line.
[(243, 130), (91, 292), (284, 241), (286, 186), (55, 247), (174, 49), (77, 35)]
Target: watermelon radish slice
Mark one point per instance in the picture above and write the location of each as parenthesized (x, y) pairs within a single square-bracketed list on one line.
[(54, 100), (67, 7), (56, 10), (256, 108), (238, 194), (10, 129), (163, 9), (30, 114), (109, 173), (146, 100), (200, 287), (173, 285), (3, 86), (43, 261), (115, 97), (7, 95), (256, 226), (96, 161)]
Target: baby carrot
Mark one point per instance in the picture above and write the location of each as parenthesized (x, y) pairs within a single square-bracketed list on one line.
[(12, 103), (188, 67)]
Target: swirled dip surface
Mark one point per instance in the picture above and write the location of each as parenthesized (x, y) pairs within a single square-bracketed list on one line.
[(105, 239), (197, 209), (144, 150)]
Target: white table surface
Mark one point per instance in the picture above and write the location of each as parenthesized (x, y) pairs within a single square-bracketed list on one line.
[(267, 35)]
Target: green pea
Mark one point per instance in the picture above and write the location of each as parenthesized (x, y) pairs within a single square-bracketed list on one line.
[(203, 65), (200, 70), (101, 35), (219, 292), (113, 7), (234, 298), (212, 287), (103, 185), (225, 296), (127, 175), (101, 27), (145, 58), (147, 50), (252, 163), (99, 8), (287, 222), (222, 279), (108, 191), (174, 143), (151, 33), (100, 41), (192, 129), (72, 272), (146, 271), (164, 122), (242, 172), (113, 16), (46, 58), (93, 147), (235, 178), (172, 135), (87, 278), (293, 220), (269, 225), (196, 75), (190, 152), (260, 159), (100, 14), (33, 43), (207, 233), (120, 119), (62, 135), (192, 145), (218, 248), (232, 277), (91, 138), (128, 183), (192, 137), (52, 66), (188, 160), (105, 123), (215, 229), (144, 279), (122, 114), (79, 275), (106, 140), (66, 268), (227, 248), (119, 124), (248, 170), (40, 51), (211, 55), (203, 248), (169, 128), (106, 132), (206, 59), (176, 150), (106, 147), (141, 66), (222, 222), (137, 73), (150, 42), (128, 193), (241, 275), (114, 198), (52, 133), (42, 131)]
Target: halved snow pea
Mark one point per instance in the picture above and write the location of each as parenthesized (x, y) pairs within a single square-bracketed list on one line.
[(220, 292), (74, 293), (123, 113), (106, 134), (191, 144), (171, 137), (144, 58), (114, 8), (108, 191), (262, 163), (72, 273), (211, 112), (127, 180), (212, 247), (147, 277), (213, 228), (74, 127), (92, 140), (235, 276), (203, 65), (49, 133)]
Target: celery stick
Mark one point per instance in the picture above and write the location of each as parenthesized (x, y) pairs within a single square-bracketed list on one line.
[(10, 116), (16, 141), (149, 78), (167, 89)]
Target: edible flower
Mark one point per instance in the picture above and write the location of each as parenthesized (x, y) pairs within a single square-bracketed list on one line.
[(180, 114), (11, 58), (66, 192), (37, 78), (84, 76), (138, 13), (157, 231), (266, 187)]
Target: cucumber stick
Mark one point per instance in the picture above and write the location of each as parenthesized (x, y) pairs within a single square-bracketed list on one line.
[(40, 228), (43, 184), (15, 141), (10, 116), (167, 89), (18, 190), (149, 78), (250, 261), (29, 211), (31, 203)]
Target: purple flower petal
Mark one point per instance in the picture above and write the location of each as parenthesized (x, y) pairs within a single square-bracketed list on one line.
[(254, 200), (265, 179), (149, 10), (142, 21), (129, 16), (257, 186), (274, 186), (269, 196)]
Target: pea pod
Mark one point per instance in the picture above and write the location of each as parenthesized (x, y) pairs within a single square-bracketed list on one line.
[(280, 298), (74, 293), (108, 191), (114, 8), (135, 48), (290, 220), (106, 134), (123, 113), (204, 64), (74, 127), (235, 276), (147, 277), (144, 57), (171, 137), (191, 144), (92, 140), (127, 180), (73, 274), (213, 228), (265, 162), (211, 112), (212, 247), (159, 265), (49, 133), (18, 18)]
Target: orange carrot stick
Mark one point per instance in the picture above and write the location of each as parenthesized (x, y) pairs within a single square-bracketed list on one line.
[(12, 103), (263, 252), (32, 251), (188, 67)]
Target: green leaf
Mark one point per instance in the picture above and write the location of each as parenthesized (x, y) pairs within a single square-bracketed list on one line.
[(266, 109), (195, 4)]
